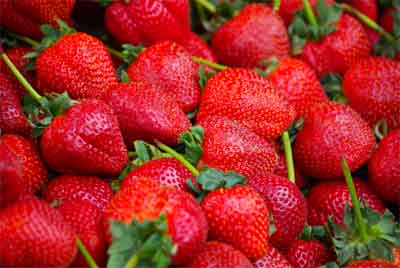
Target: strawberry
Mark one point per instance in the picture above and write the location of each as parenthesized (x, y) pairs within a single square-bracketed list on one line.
[(220, 255), (145, 200), (170, 68), (308, 254), (378, 263), (86, 140), (273, 259), (255, 34), (387, 21), (384, 173), (288, 8), (21, 170), (286, 204), (197, 46), (299, 83), (245, 97), (82, 188), (331, 131), (330, 198), (371, 88), (146, 113), (32, 233)]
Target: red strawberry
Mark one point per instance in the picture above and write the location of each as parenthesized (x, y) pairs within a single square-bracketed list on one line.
[(281, 170), (384, 171), (145, 200), (387, 21), (255, 34), (230, 146), (286, 204), (288, 8), (332, 131), (170, 68), (86, 221), (378, 263), (371, 87), (145, 113), (197, 46), (12, 117), (273, 259), (83, 188), (220, 255), (85, 140), (308, 254), (244, 96), (77, 63), (21, 170), (32, 233), (330, 198), (300, 84)]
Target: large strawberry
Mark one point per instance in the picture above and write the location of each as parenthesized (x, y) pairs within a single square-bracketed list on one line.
[(384, 171), (170, 68), (308, 254), (85, 140), (255, 34), (371, 87), (273, 259), (32, 233), (245, 97), (332, 131), (146, 113), (21, 170)]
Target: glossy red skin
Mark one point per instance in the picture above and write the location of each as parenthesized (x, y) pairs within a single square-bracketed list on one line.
[(229, 146), (371, 87), (85, 140), (90, 189), (79, 64), (332, 131), (197, 46), (146, 113), (273, 259), (21, 170), (246, 97), (169, 67), (12, 117), (298, 81), (145, 200), (384, 170), (219, 255), (255, 34), (32, 233), (281, 170), (238, 216), (288, 8), (165, 171), (337, 51), (330, 198), (87, 222), (308, 254), (287, 205)]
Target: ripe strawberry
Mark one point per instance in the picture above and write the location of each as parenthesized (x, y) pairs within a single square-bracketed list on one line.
[(330, 198), (77, 63), (32, 233), (230, 146), (332, 131), (255, 34), (85, 140), (145, 113), (219, 255), (197, 46), (384, 171), (170, 68), (308, 254), (286, 204), (288, 8), (145, 200), (371, 87), (21, 170), (273, 259), (299, 83), (244, 96), (83, 188), (281, 170)]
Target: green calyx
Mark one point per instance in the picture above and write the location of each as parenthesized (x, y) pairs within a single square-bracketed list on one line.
[(192, 142), (268, 66), (332, 84), (140, 245)]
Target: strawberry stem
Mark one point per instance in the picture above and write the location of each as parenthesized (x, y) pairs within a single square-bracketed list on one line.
[(115, 53), (287, 146), (86, 255), (354, 199), (214, 65), (207, 5), (309, 13), (276, 5), (25, 39)]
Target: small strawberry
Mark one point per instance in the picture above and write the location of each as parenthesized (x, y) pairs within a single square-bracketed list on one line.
[(308, 254), (273, 259), (255, 34), (32, 233)]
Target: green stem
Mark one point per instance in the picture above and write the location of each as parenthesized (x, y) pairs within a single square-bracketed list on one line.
[(288, 156), (115, 53), (276, 5), (207, 5), (179, 157), (309, 13), (132, 154), (214, 65), (25, 39), (86, 255), (132, 262), (354, 200)]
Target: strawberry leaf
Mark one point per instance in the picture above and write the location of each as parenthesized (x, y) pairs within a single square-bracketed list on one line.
[(192, 142), (131, 52), (332, 84)]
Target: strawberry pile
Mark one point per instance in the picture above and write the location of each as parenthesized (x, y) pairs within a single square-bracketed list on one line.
[(159, 133)]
